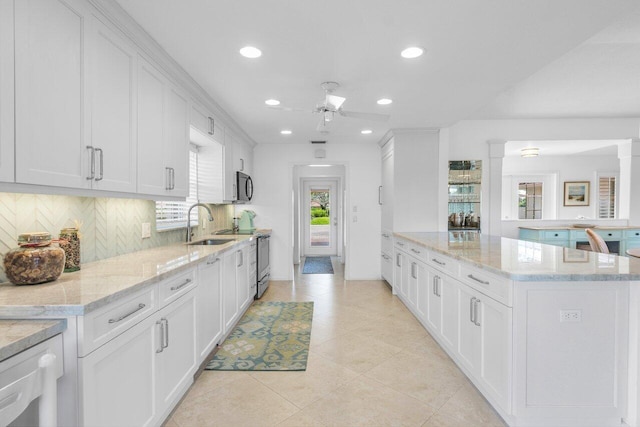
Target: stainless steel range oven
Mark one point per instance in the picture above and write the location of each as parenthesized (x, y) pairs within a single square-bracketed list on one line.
[(263, 270)]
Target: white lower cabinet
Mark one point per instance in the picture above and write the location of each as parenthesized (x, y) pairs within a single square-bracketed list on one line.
[(229, 290), (208, 313), (242, 277)]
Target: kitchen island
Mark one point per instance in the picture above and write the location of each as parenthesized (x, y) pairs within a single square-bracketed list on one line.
[(547, 334)]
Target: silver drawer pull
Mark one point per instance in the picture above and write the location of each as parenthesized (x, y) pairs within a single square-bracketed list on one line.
[(213, 262), (400, 243), (386, 236), (438, 262), (182, 285), (140, 307), (472, 277), (415, 251)]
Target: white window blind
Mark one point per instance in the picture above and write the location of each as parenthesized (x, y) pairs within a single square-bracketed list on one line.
[(172, 215), (606, 197)]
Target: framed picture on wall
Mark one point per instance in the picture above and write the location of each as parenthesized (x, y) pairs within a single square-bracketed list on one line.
[(576, 193)]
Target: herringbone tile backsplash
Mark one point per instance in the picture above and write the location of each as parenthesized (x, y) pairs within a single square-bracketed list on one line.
[(109, 227)]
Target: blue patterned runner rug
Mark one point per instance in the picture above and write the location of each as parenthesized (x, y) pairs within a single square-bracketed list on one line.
[(271, 336), (317, 265)]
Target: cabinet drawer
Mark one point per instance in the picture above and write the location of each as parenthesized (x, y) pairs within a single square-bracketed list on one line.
[(172, 288), (419, 252), (401, 244), (555, 235), (631, 234), (610, 234), (497, 287), (386, 242), (104, 324), (443, 263)]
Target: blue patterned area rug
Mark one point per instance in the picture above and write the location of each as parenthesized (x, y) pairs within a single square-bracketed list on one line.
[(317, 265), (271, 336)]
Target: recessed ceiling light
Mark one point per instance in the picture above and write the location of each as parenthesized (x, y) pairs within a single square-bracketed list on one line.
[(384, 101), (412, 52), (286, 132), (250, 52), (366, 131), (272, 102)]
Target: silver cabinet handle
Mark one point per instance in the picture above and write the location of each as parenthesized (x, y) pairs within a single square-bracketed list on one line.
[(385, 235), (167, 172), (413, 270), (380, 195), (400, 244), (140, 307), (211, 128), (241, 258), (438, 262), (173, 179), (415, 251), (471, 276), (438, 293), (241, 165), (99, 150), (182, 285), (92, 162), (471, 310), (161, 349), (475, 312), (434, 285), (398, 260), (213, 262), (166, 333)]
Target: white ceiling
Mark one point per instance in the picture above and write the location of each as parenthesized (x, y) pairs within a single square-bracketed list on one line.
[(475, 51)]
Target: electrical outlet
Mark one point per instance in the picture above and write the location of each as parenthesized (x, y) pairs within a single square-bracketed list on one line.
[(146, 230), (571, 315)]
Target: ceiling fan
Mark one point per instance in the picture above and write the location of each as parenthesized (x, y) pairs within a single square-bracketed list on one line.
[(332, 105)]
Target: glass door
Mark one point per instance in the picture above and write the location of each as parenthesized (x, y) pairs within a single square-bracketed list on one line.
[(320, 218)]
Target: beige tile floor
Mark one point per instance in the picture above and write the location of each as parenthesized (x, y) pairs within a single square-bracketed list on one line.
[(370, 364)]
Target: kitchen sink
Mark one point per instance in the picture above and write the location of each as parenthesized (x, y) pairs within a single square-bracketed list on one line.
[(210, 242)]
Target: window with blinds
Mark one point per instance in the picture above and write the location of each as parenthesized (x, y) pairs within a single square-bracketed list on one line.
[(172, 215), (606, 197)]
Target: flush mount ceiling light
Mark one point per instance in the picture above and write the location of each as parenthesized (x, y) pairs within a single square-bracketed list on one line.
[(250, 52), (384, 101), (272, 102), (530, 152), (412, 52), (366, 131), (286, 132)]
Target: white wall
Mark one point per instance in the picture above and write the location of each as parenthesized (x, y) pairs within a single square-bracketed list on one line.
[(468, 141), (273, 203)]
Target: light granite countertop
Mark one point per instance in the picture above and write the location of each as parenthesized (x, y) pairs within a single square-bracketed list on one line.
[(528, 261), (101, 282), (19, 335)]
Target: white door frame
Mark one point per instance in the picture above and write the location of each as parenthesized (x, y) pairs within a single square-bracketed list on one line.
[(335, 222)]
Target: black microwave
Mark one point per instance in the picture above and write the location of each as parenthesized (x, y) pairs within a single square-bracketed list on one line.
[(244, 187)]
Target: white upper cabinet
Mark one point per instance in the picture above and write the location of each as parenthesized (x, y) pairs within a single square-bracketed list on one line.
[(230, 193), (50, 92), (163, 148), (112, 80), (205, 123), (6, 93)]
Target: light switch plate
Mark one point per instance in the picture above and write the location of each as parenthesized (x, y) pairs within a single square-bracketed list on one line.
[(146, 230)]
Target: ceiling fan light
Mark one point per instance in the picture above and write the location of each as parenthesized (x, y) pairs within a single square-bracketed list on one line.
[(384, 101), (250, 52), (412, 52), (328, 116), (366, 131), (530, 152), (286, 132), (272, 102)]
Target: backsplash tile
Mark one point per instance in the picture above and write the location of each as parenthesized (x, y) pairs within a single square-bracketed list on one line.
[(109, 226)]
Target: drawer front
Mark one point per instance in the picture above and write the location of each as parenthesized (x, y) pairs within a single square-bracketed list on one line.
[(174, 287), (555, 235), (104, 324), (631, 234), (492, 285), (387, 268), (443, 263), (419, 252), (610, 234), (387, 242), (401, 244)]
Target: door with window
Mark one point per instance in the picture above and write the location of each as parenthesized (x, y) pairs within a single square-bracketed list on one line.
[(320, 213)]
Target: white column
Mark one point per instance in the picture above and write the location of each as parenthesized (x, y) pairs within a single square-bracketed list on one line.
[(629, 196), (493, 224)]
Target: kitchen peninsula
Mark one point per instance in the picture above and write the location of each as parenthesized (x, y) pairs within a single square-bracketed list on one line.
[(544, 332), (138, 325)]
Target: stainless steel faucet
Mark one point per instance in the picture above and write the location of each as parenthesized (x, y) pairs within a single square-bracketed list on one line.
[(189, 233)]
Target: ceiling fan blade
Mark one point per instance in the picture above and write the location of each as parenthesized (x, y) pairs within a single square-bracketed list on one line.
[(334, 102), (277, 107), (365, 116)]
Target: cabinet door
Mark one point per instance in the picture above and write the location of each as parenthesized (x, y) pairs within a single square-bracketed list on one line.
[(242, 278), (199, 119), (422, 291), (448, 290), (50, 92), (434, 303), (176, 146), (118, 379), (208, 308), (152, 175), (210, 173), (412, 288), (230, 193), (400, 274), (386, 192), (229, 290), (177, 360), (469, 339), (112, 87), (7, 109)]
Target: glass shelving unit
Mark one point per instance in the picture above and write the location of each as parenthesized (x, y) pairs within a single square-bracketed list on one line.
[(465, 185)]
